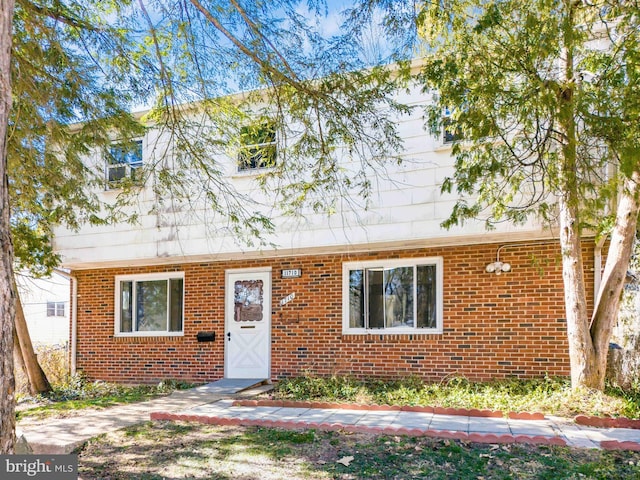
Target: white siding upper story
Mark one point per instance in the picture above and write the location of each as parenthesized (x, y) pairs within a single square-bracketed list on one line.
[(406, 210)]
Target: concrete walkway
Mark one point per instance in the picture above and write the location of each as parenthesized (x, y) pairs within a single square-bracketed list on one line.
[(199, 405), (63, 435), (549, 431)]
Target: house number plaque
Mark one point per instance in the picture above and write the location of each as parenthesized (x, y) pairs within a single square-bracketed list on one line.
[(287, 299), (291, 273)]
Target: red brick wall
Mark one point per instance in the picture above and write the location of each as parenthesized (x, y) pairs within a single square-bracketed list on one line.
[(494, 325)]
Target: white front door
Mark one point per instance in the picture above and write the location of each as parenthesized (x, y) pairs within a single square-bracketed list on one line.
[(248, 324)]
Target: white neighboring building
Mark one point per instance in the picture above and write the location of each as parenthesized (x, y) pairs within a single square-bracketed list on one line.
[(45, 302)]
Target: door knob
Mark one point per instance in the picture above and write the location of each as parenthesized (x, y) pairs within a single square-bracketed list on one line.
[(229, 335)]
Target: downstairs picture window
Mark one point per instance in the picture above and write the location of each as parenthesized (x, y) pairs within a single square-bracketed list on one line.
[(150, 304), (394, 296)]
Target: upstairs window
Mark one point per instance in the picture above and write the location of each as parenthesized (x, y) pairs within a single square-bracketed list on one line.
[(257, 147), (393, 296), (450, 133), (123, 161), (55, 309), (150, 304)]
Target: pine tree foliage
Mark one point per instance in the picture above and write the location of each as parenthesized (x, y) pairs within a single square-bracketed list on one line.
[(66, 68), (513, 73), (221, 67), (542, 95), (212, 71), (209, 69)]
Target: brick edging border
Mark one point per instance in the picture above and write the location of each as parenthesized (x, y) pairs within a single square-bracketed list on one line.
[(324, 426), (616, 445), (607, 422), (466, 412)]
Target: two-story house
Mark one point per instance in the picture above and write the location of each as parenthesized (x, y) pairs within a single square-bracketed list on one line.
[(382, 292)]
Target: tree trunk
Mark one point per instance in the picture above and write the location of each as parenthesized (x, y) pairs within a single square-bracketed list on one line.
[(38, 382), (581, 349), (18, 361), (605, 312), (7, 299)]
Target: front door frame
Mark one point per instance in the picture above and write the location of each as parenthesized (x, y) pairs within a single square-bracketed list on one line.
[(229, 310)]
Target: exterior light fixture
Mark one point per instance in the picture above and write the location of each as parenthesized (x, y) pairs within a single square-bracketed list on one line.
[(498, 267)]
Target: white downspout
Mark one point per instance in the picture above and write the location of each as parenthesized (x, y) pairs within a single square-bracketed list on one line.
[(597, 268), (74, 323), (610, 173), (74, 317)]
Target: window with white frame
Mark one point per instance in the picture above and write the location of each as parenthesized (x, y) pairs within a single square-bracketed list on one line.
[(450, 133), (393, 296), (258, 146), (55, 309), (123, 161), (151, 304)]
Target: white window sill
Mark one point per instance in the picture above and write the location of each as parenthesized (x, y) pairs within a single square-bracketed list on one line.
[(117, 188), (252, 172), (148, 334), (443, 147), (392, 331)]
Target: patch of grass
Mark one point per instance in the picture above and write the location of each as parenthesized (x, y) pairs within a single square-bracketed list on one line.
[(157, 450), (79, 394), (547, 395), (267, 441), (171, 430), (289, 436)]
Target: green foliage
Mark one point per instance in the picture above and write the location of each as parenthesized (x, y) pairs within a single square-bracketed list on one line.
[(288, 436), (68, 66), (321, 388), (309, 86), (78, 388), (547, 395), (542, 94), (79, 67)]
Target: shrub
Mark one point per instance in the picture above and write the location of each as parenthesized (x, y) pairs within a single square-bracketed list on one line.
[(54, 360), (548, 394)]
